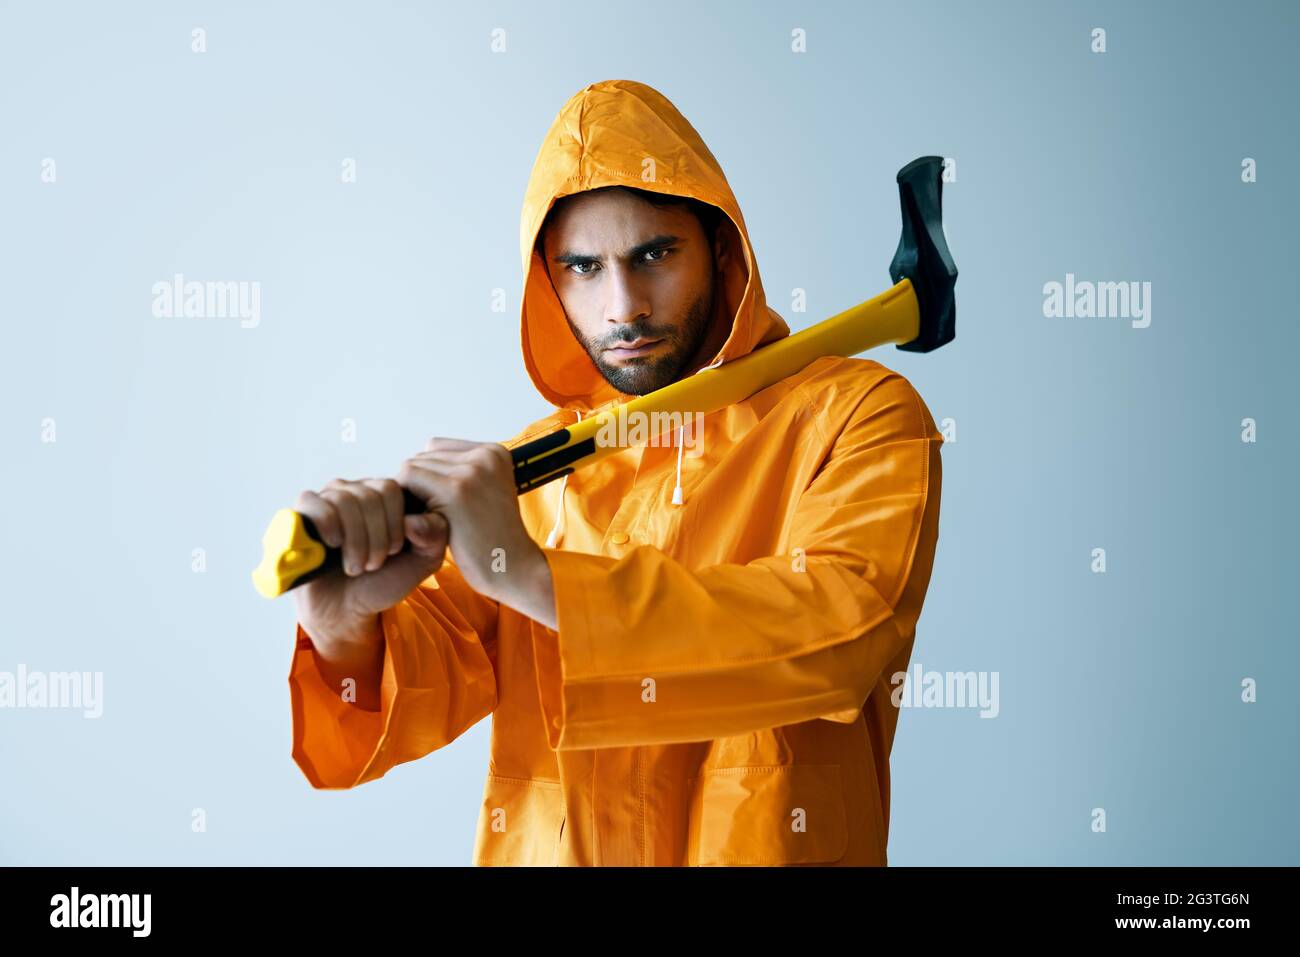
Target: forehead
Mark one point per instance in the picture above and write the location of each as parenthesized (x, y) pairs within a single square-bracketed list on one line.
[(611, 219)]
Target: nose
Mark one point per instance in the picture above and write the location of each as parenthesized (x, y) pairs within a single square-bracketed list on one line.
[(628, 298)]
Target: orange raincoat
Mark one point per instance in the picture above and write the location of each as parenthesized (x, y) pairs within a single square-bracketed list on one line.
[(718, 689)]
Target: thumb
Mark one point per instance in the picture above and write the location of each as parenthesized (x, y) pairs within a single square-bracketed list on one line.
[(428, 532)]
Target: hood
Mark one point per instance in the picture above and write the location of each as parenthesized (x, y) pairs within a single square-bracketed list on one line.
[(601, 137)]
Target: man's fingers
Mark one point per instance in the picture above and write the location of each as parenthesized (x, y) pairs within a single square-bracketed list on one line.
[(394, 508), (428, 533), (434, 482), (356, 540), (442, 444), (372, 507), (323, 515), (423, 564), (427, 527), (367, 519), (437, 464)]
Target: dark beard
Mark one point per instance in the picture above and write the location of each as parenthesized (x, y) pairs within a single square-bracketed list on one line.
[(639, 377)]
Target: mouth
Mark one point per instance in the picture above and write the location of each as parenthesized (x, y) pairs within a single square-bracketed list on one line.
[(637, 347)]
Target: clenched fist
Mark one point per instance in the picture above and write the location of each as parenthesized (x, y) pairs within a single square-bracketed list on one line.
[(365, 520), (471, 484)]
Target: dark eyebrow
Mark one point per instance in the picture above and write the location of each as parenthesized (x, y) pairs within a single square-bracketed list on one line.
[(569, 258)]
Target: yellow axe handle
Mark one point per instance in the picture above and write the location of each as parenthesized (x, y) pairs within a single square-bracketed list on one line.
[(892, 316), (293, 552)]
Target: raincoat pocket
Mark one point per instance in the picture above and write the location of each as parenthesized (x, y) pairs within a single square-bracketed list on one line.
[(790, 814), (519, 823)]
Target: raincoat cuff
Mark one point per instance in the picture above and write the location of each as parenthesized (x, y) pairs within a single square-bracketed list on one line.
[(566, 651), (334, 741), (550, 680)]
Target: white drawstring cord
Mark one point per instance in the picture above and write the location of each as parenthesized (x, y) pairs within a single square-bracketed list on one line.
[(679, 497), (677, 491), (559, 509)]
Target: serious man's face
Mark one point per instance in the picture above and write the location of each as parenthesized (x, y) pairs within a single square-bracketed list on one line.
[(636, 283)]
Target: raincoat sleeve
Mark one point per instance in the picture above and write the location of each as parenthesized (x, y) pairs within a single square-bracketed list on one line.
[(439, 679), (648, 651)]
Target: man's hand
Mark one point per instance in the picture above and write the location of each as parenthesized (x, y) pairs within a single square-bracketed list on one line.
[(364, 519), (339, 611), (472, 485)]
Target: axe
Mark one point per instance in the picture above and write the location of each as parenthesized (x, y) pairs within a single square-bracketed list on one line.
[(917, 313)]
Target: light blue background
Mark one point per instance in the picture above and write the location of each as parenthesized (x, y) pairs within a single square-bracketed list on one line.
[(1119, 691)]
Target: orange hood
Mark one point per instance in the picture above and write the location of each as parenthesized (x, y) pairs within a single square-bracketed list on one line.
[(602, 137)]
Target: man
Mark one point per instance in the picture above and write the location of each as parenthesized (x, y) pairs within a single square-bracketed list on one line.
[(694, 668)]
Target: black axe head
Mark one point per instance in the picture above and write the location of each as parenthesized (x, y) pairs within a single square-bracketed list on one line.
[(923, 255)]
